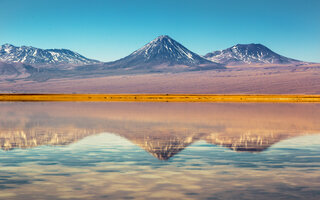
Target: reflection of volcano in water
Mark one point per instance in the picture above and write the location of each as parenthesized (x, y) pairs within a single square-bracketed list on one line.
[(163, 132), (162, 146)]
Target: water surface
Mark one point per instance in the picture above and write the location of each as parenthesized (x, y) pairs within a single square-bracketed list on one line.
[(93, 150)]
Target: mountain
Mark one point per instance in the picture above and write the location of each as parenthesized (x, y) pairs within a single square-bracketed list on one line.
[(248, 54), (164, 54), (36, 56), (15, 70), (7, 69)]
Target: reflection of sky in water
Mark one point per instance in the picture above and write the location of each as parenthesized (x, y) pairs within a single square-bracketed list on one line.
[(107, 159)]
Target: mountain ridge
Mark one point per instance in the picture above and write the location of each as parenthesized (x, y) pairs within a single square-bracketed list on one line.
[(249, 54), (37, 56)]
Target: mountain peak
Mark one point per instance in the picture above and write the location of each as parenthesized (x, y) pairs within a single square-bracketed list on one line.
[(163, 37), (248, 54), (164, 51), (7, 45), (250, 44)]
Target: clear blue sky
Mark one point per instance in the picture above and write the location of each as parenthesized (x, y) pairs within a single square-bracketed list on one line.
[(111, 29)]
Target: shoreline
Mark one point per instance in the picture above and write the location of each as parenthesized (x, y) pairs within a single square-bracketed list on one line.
[(162, 97)]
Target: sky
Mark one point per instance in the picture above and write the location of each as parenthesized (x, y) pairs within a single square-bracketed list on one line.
[(111, 29)]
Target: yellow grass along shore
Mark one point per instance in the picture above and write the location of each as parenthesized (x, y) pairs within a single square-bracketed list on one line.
[(161, 97)]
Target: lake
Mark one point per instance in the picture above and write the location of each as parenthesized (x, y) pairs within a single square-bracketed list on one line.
[(123, 150)]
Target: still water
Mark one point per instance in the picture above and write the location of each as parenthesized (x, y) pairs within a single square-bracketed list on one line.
[(91, 150)]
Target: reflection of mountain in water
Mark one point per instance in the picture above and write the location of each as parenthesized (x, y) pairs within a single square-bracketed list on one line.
[(34, 137), (161, 137), (247, 141), (164, 148), (162, 144)]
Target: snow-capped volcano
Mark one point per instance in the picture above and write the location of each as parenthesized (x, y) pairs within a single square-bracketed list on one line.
[(163, 51), (248, 54), (32, 55)]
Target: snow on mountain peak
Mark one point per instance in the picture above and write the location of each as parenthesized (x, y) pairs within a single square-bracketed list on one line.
[(31, 55), (168, 50), (247, 54), (163, 37), (165, 51)]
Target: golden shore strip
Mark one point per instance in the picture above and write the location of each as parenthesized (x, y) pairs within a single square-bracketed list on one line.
[(160, 97)]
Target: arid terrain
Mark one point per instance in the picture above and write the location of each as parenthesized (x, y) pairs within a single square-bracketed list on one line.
[(257, 79)]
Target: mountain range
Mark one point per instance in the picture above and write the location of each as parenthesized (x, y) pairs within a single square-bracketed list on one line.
[(161, 55), (36, 56), (248, 54)]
